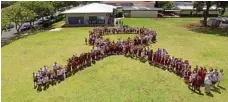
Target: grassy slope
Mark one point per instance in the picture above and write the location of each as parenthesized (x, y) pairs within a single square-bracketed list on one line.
[(117, 78)]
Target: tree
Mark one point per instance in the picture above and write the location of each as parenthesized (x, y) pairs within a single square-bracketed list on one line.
[(199, 5), (32, 6), (58, 5), (40, 8), (19, 15), (5, 20), (5, 4), (223, 5), (164, 4), (44, 8)]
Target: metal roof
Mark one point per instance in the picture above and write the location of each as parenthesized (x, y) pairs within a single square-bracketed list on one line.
[(141, 9), (91, 8), (182, 7), (188, 5)]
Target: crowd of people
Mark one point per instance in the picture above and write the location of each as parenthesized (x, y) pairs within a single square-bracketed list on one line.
[(145, 36), (135, 48), (45, 77)]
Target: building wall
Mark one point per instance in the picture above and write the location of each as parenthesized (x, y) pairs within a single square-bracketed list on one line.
[(86, 17), (187, 13), (201, 12), (143, 14)]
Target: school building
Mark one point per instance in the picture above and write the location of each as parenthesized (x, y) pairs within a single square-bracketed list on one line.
[(94, 14)]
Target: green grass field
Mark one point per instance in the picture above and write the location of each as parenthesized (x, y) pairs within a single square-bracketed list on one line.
[(116, 78)]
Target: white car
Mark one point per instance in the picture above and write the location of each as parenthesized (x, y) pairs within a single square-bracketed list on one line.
[(224, 22), (216, 22)]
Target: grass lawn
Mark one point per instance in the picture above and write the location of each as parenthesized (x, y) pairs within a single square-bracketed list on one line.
[(116, 78)]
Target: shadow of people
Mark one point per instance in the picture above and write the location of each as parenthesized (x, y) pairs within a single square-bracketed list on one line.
[(215, 89), (195, 91), (210, 94), (39, 88), (221, 87)]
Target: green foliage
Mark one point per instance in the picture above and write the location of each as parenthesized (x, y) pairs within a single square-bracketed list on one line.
[(19, 14), (165, 4), (5, 20), (199, 5), (41, 8), (223, 5), (5, 4)]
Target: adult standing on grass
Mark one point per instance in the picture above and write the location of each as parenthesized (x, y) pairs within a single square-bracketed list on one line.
[(220, 74), (34, 78), (207, 83), (214, 77)]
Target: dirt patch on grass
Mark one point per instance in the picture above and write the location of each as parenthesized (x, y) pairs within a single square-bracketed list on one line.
[(56, 29), (197, 27)]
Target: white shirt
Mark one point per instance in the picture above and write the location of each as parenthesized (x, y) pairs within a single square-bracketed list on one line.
[(214, 77), (142, 54), (46, 79), (207, 81), (220, 76), (54, 66), (39, 81), (193, 75), (45, 69), (95, 48)]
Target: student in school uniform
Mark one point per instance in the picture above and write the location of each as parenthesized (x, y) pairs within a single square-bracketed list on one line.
[(214, 77), (207, 83), (34, 79), (39, 84), (55, 67)]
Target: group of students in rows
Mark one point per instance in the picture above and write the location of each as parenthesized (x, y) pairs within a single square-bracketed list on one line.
[(135, 49), (144, 35), (102, 48), (195, 78), (45, 77)]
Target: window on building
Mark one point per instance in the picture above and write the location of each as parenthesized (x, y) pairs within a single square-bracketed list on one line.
[(76, 20), (101, 20), (93, 19)]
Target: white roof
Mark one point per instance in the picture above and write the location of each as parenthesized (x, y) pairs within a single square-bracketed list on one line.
[(91, 8), (188, 7)]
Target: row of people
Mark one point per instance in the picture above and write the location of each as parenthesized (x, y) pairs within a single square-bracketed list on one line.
[(145, 35), (45, 77), (195, 78), (130, 48)]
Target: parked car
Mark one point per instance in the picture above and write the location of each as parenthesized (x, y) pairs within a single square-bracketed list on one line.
[(25, 27), (216, 22), (224, 22)]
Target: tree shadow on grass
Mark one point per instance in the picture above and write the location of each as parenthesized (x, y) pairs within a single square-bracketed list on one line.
[(198, 28), (6, 41)]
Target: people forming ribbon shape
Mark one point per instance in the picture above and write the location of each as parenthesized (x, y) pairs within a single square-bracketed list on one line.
[(136, 48)]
